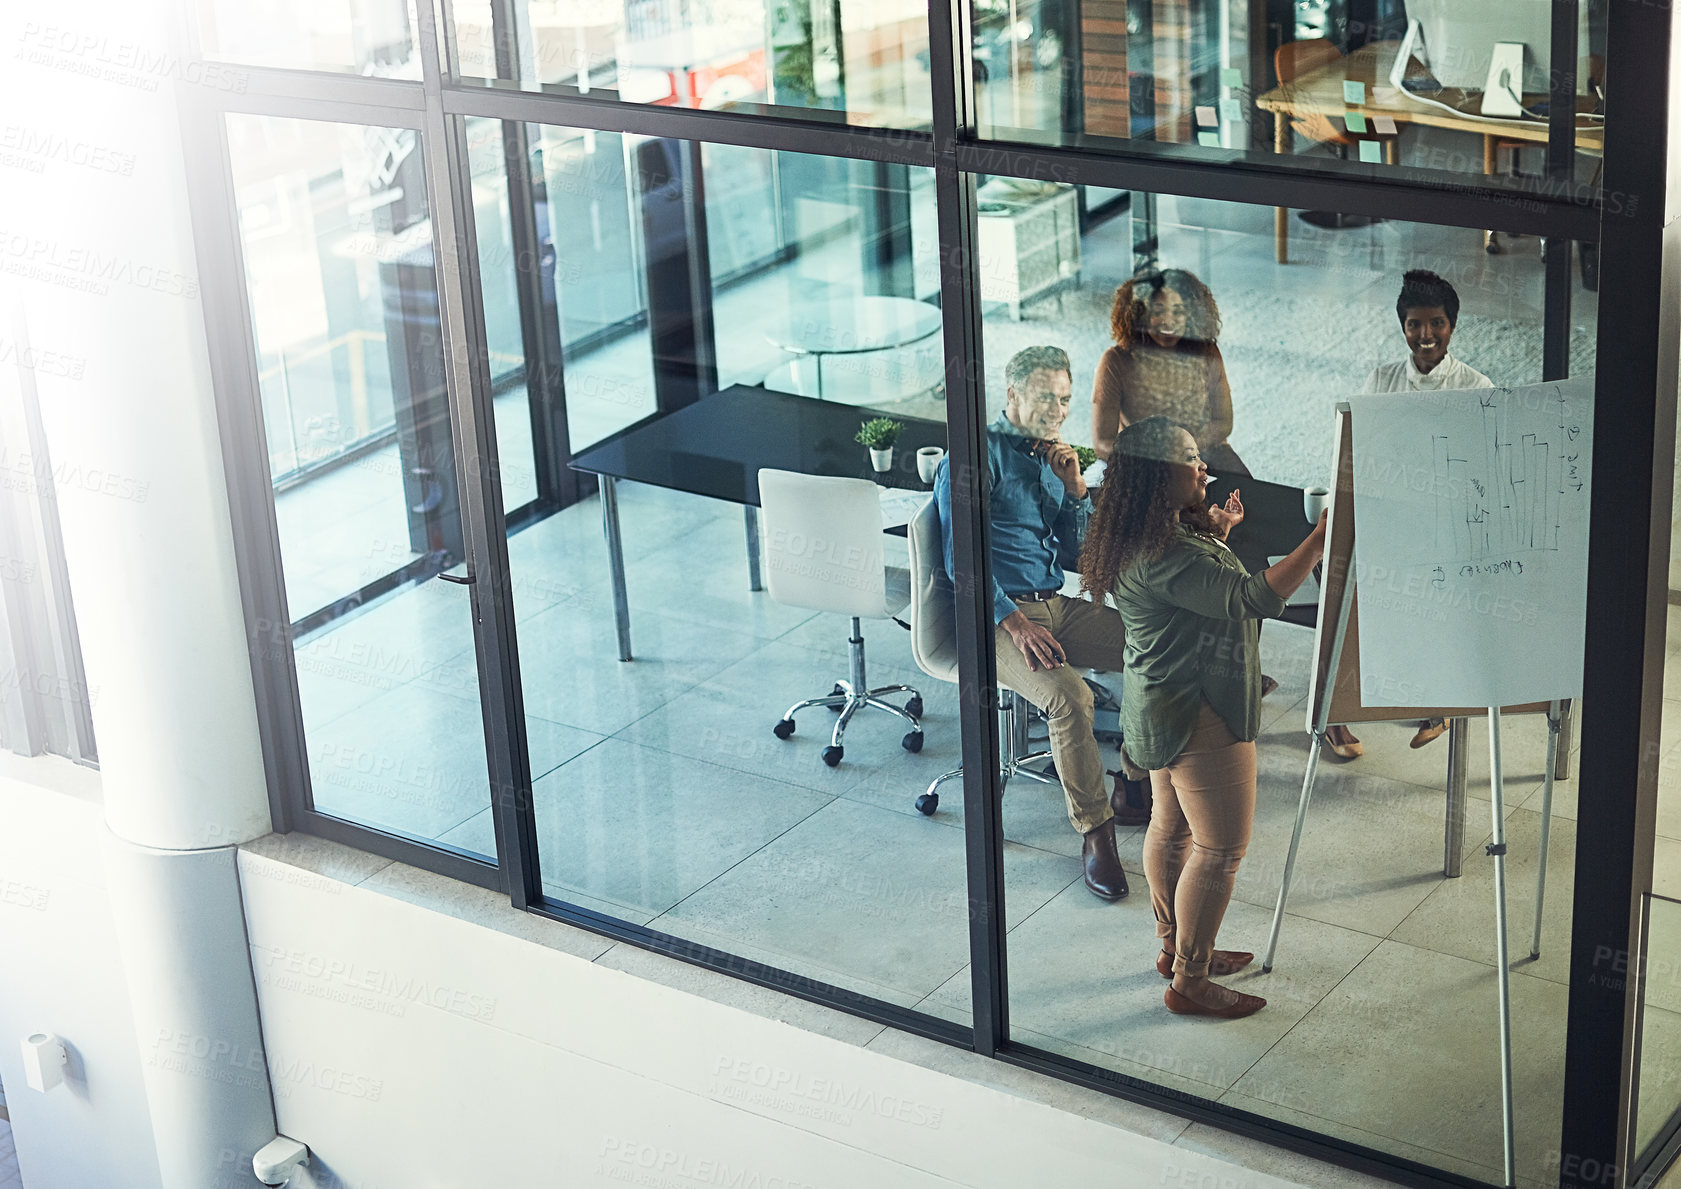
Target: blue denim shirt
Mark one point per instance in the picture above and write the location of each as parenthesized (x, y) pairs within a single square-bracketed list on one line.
[(1037, 526)]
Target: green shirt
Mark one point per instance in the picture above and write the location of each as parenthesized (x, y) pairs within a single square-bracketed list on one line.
[(1191, 633)]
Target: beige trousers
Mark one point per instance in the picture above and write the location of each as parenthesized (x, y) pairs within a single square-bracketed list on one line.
[(1204, 806), (1091, 637)]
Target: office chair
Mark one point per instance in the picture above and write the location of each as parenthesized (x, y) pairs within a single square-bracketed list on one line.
[(934, 645), (823, 550)]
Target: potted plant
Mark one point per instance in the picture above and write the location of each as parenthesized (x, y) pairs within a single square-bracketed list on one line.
[(879, 434)]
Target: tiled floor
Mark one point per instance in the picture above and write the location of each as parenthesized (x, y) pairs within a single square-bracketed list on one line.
[(661, 796), (10, 1177)]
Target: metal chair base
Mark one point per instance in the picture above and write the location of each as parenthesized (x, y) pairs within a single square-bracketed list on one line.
[(851, 696), (1012, 732)]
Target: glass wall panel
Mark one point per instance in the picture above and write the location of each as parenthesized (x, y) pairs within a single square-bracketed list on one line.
[(861, 62), (1315, 80), (1658, 1104), (359, 38), (343, 300), (499, 268), (1380, 1017), (692, 806)]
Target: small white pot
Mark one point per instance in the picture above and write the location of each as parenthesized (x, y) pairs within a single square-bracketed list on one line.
[(881, 460)]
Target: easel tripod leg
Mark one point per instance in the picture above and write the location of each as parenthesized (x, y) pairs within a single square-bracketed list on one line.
[(1295, 843), (1497, 849), (1554, 723)]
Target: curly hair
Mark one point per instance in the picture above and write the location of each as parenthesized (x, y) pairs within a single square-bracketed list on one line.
[(1135, 519), (1129, 317)]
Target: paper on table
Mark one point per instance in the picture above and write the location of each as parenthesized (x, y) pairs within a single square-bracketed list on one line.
[(1384, 125), (1471, 522), (1206, 116), (898, 505)]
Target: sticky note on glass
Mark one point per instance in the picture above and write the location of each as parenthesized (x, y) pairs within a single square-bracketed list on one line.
[(1209, 140), (1230, 76), (1353, 92), (1371, 151), (1383, 124), (1231, 109), (1355, 121), (1206, 117)]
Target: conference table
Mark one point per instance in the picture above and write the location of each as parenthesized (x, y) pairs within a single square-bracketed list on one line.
[(1320, 92), (716, 446)]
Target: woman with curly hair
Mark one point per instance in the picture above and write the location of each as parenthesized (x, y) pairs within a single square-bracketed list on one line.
[(1191, 698), (1165, 362)]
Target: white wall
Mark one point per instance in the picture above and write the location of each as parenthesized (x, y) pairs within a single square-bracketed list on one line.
[(59, 972), (410, 1048)]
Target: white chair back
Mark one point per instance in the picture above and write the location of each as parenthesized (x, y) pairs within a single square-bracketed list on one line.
[(822, 543), (933, 605)]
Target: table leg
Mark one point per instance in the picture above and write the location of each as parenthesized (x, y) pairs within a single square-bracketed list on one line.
[(1281, 215), (1491, 166), (753, 579), (817, 360), (616, 561), (1453, 845), (1566, 728)]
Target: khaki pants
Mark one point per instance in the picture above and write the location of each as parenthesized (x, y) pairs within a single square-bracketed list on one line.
[(1091, 637), (1204, 806)]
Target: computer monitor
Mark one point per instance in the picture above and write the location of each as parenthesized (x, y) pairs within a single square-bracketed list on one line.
[(1456, 40)]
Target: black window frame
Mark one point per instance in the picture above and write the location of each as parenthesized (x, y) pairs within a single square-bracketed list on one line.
[(1634, 433)]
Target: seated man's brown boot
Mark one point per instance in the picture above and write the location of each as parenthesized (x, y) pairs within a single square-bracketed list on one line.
[(1131, 801), (1103, 863)]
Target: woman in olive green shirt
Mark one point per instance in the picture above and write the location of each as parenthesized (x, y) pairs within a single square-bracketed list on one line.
[(1191, 698)]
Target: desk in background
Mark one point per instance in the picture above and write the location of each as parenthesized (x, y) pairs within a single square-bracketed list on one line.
[(716, 447), (1320, 92)]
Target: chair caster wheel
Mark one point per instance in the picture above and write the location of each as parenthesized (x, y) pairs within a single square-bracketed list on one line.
[(832, 755), (914, 707), (783, 728), (836, 693), (927, 804), (912, 741)]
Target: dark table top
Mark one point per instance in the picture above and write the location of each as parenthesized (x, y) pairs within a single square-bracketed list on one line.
[(1274, 523), (716, 446)]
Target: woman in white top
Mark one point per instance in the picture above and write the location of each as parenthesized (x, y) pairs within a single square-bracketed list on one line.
[(1429, 311)]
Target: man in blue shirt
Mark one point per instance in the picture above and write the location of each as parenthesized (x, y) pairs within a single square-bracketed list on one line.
[(1042, 639)]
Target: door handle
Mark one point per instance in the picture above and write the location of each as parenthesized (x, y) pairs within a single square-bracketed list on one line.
[(460, 581)]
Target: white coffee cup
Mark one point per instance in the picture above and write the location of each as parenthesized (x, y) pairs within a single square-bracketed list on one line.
[(928, 461), (1313, 502)]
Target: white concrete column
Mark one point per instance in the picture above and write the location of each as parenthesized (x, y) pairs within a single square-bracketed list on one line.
[(96, 249)]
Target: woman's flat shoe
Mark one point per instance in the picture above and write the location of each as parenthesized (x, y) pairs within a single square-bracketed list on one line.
[(1428, 733), (1246, 1005), (1223, 963), (1351, 750), (1267, 685)]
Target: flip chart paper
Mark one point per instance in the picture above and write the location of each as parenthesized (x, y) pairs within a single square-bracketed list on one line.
[(1471, 533)]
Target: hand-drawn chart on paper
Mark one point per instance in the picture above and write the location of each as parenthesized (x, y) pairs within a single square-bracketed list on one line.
[(1471, 519)]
